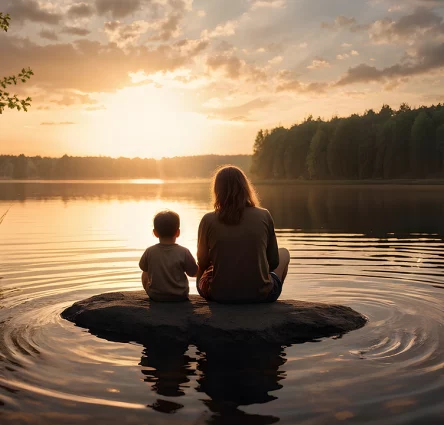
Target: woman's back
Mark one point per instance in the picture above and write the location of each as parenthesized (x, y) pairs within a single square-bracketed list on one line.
[(242, 255)]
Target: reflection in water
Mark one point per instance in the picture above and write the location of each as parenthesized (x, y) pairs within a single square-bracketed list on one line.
[(167, 367), (231, 376), (366, 209), (240, 375), (378, 249)]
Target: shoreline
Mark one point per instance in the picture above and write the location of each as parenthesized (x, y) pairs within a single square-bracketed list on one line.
[(370, 182), (259, 182)]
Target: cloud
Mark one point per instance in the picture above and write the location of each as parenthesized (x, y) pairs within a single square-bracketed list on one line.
[(255, 74), (90, 66), (276, 60), (168, 28), (355, 94), (57, 123), (260, 4), (275, 48), (242, 119), (319, 63), (361, 73), (300, 87), (222, 30), (236, 69), (123, 34), (237, 113), (426, 59), (30, 10), (95, 108), (81, 10), (230, 64), (117, 8), (48, 34), (434, 97), (419, 24), (343, 56), (75, 31), (70, 99), (190, 47), (339, 22), (224, 46)]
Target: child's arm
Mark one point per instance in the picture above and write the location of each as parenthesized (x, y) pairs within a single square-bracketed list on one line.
[(190, 264), (143, 264), (200, 272), (145, 280)]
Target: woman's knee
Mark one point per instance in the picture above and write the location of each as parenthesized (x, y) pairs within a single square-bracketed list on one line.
[(284, 256)]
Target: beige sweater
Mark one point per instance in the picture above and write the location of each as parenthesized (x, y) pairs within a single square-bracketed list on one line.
[(167, 266)]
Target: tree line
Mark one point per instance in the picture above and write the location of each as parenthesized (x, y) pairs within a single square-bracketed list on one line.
[(71, 167), (389, 144)]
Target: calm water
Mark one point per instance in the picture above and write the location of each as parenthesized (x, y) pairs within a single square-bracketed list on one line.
[(378, 249)]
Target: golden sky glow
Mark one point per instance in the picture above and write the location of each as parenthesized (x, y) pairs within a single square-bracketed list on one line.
[(155, 78)]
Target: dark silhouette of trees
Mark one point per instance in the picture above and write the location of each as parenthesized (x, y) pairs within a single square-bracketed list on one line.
[(440, 144), (20, 167), (317, 163), (342, 151), (297, 146), (70, 167), (389, 144), (421, 145)]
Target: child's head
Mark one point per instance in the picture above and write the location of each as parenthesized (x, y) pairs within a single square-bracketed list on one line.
[(167, 224)]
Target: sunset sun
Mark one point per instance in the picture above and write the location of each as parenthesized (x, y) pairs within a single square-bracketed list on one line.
[(148, 121)]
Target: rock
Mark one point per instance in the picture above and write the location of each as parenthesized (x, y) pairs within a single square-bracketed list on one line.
[(131, 316)]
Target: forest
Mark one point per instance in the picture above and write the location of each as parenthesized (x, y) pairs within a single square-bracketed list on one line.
[(71, 167), (389, 144)]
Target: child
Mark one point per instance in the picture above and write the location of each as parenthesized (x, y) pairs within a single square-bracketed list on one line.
[(164, 265)]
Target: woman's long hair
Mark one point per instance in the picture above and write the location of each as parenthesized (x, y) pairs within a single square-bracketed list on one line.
[(232, 193)]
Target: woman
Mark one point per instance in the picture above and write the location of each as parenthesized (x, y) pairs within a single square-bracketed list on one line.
[(239, 260)]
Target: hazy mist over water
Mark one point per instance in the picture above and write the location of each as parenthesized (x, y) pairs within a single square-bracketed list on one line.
[(378, 249)]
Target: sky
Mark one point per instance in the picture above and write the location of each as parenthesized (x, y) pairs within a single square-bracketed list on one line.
[(155, 78)]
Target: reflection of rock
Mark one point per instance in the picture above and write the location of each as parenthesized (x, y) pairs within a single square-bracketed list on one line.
[(130, 316), (167, 367), (224, 413), (165, 406), (239, 375), (230, 375)]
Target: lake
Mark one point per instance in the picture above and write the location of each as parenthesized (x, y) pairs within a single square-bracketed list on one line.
[(377, 249)]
